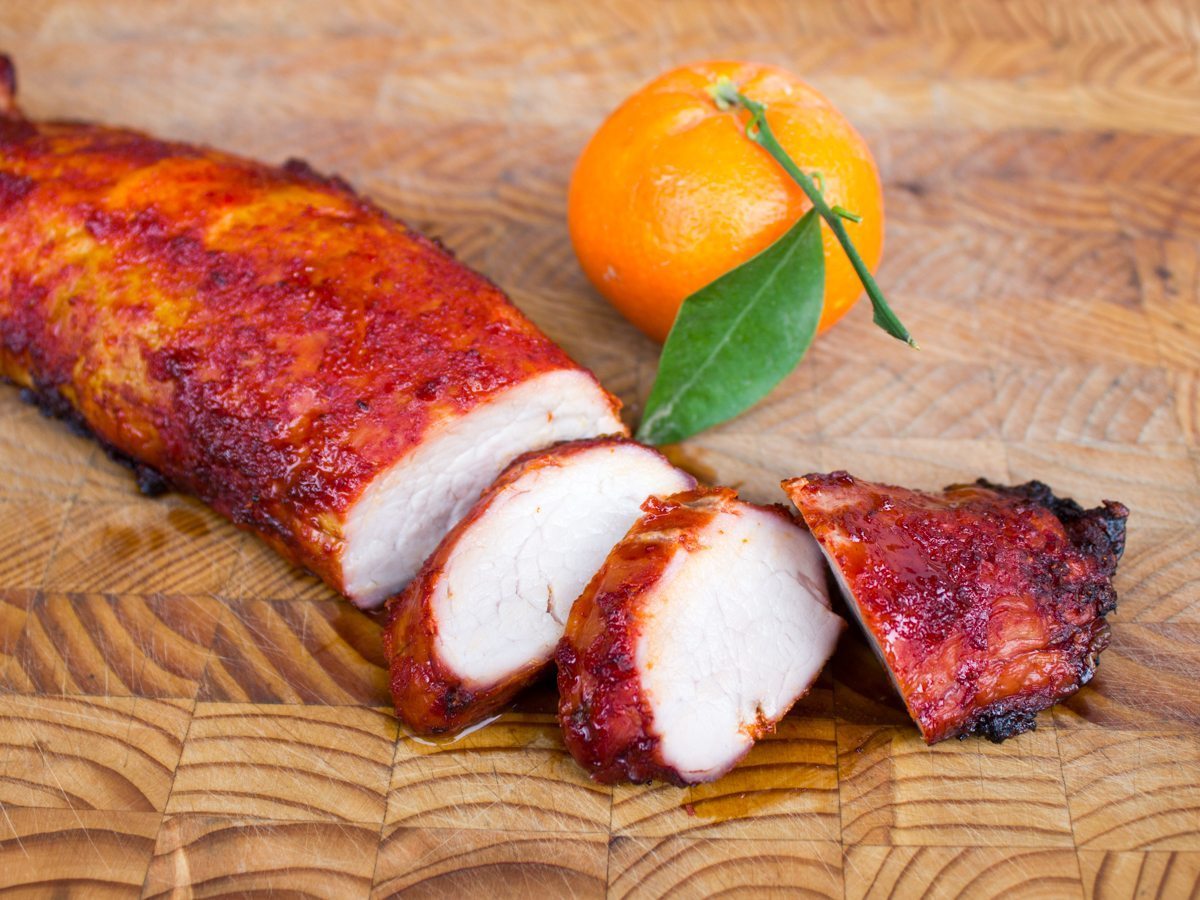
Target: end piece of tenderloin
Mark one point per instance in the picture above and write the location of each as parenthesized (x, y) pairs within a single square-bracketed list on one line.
[(986, 603), (483, 616), (706, 623)]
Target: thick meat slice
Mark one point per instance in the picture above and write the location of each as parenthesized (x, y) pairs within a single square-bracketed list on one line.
[(269, 341), (706, 623), (482, 619), (986, 603)]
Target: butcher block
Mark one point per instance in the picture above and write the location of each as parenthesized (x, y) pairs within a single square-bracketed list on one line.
[(181, 712)]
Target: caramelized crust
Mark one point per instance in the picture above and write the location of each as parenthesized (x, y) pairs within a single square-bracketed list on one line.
[(985, 602), (261, 337)]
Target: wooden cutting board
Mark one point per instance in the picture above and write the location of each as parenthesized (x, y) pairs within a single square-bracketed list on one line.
[(181, 711)]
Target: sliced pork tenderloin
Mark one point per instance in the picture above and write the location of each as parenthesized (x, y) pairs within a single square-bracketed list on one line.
[(707, 622), (482, 618), (986, 603)]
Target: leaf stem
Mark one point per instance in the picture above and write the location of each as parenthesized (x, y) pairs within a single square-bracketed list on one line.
[(726, 95)]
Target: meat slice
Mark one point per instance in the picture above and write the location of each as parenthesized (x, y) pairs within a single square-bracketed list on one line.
[(986, 603), (270, 341), (483, 617), (706, 623)]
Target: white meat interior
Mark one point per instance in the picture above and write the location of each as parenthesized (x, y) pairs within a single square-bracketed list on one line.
[(733, 632), (507, 588), (406, 510)]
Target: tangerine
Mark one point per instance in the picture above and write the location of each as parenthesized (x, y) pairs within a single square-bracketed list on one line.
[(669, 193)]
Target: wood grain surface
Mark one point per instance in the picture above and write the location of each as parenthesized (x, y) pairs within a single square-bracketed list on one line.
[(182, 714)]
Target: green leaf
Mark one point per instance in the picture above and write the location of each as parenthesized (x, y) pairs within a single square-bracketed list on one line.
[(738, 337)]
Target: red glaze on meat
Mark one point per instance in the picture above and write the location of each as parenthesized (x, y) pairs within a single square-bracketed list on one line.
[(640, 599), (261, 337), (985, 602), (519, 564)]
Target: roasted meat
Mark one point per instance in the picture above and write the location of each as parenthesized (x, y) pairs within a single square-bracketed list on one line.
[(269, 341), (482, 618), (703, 627), (986, 603)]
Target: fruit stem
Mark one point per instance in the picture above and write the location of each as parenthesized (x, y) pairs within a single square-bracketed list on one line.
[(726, 96)]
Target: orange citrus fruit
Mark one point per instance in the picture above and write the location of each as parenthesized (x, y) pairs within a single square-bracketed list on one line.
[(669, 193)]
